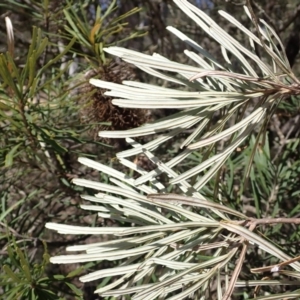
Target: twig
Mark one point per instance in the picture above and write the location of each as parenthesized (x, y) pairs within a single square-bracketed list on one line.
[(261, 10), (237, 270), (288, 22), (275, 268), (285, 89)]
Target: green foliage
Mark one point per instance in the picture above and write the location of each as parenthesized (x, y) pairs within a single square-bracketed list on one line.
[(21, 118), (23, 279), (41, 132), (101, 33)]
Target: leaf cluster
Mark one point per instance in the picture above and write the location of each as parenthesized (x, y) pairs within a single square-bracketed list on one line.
[(23, 279), (222, 233)]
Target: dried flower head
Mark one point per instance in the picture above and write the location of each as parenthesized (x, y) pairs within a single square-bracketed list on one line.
[(98, 107)]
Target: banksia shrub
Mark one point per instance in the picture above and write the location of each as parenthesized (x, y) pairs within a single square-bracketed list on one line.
[(175, 242)]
